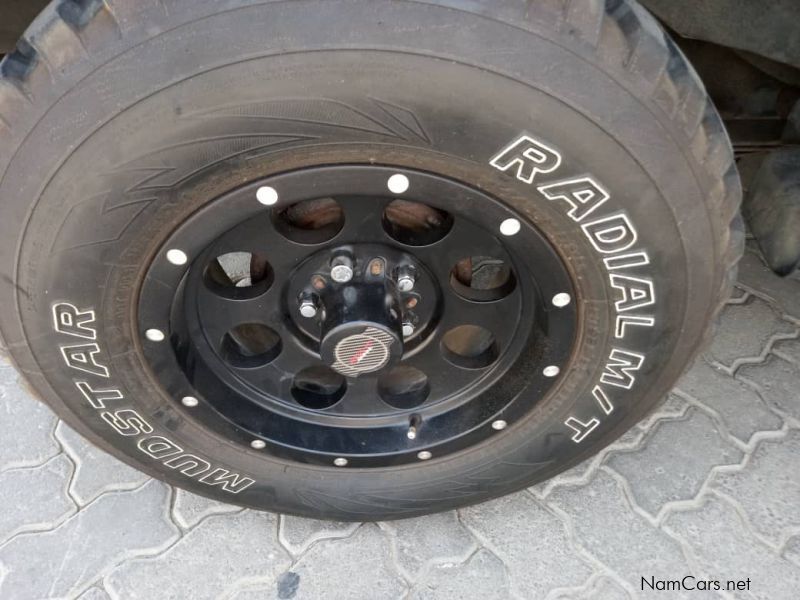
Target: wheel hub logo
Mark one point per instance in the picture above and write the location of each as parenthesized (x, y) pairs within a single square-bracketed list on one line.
[(363, 352)]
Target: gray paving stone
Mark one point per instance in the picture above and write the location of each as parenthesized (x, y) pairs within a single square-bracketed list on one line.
[(739, 407), (95, 471), (189, 509), (675, 460), (357, 568), (251, 554), (510, 526), (94, 593), (792, 550), (297, 534), (783, 291), (601, 588), (35, 498), (778, 382), (604, 524), (26, 425), (482, 576), (62, 562), (430, 540), (789, 350), (673, 407), (745, 331), (721, 544), (768, 487)]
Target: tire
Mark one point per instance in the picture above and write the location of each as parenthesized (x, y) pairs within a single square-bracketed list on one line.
[(119, 120)]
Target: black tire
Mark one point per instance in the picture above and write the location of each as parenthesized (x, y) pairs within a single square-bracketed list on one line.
[(120, 118)]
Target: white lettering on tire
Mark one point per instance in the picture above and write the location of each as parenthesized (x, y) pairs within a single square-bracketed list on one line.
[(112, 407), (614, 237)]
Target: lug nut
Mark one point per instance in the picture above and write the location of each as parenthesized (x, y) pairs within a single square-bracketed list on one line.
[(308, 307), (408, 329), (342, 269), (405, 279)]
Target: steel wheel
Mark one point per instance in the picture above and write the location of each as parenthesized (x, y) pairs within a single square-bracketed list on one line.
[(358, 316)]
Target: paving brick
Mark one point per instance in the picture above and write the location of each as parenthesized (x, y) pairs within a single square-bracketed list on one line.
[(792, 550), (783, 291), (675, 460), (778, 382), (768, 487), (739, 407), (35, 498), (94, 593), (673, 407), (95, 471), (601, 588), (604, 524), (62, 562), (482, 576), (189, 509), (26, 425), (745, 331), (251, 553), (508, 526), (431, 540), (789, 350), (357, 567), (721, 544), (297, 534)]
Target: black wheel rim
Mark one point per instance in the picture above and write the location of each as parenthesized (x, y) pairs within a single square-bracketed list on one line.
[(492, 309)]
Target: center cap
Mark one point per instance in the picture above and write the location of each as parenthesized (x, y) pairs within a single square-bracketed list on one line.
[(363, 352), (361, 330)]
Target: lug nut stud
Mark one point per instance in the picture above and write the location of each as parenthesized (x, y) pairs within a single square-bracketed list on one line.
[(308, 306), (405, 279), (318, 282), (342, 269), (376, 267)]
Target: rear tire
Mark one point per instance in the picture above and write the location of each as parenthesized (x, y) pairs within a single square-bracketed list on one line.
[(119, 121)]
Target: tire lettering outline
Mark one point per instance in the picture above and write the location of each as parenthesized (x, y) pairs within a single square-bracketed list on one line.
[(614, 237), (71, 321)]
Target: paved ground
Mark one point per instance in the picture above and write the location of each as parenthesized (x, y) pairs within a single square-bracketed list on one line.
[(709, 486)]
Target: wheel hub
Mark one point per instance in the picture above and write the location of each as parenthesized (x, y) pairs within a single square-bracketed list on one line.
[(364, 307)]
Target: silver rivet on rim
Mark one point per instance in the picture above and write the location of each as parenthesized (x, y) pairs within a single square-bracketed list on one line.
[(154, 335), (267, 195), (340, 462), (561, 300), (551, 371), (424, 455), (398, 183), (499, 424), (258, 444), (190, 401), (510, 227), (177, 257), (408, 329)]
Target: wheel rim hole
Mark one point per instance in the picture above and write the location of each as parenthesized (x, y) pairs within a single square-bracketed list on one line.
[(250, 345), (415, 224), (403, 387), (318, 387), (310, 221), (482, 278), (239, 275), (469, 347)]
